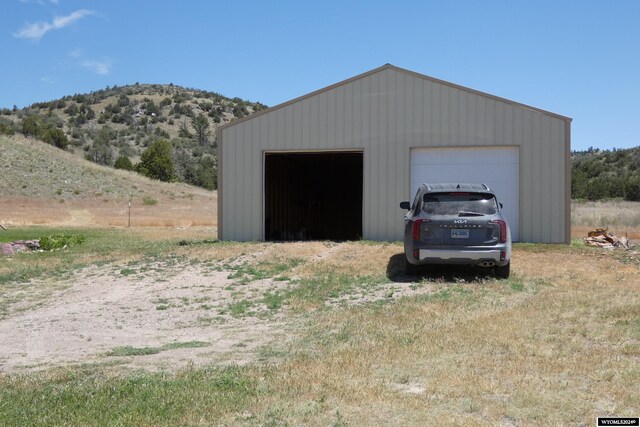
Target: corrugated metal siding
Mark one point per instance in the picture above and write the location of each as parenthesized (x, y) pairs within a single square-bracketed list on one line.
[(385, 114)]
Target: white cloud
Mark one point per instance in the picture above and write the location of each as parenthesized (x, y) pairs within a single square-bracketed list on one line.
[(98, 67), (36, 30), (102, 66), (76, 53), (40, 2)]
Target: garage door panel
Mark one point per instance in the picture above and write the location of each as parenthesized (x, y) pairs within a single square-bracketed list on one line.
[(469, 173), (496, 167), (501, 173), (464, 156)]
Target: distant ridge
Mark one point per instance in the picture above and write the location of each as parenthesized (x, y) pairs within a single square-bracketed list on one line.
[(122, 121)]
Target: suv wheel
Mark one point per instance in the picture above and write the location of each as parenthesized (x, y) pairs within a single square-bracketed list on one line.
[(410, 269), (503, 272)]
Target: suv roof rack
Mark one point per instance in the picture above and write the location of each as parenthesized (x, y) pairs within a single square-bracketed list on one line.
[(455, 186)]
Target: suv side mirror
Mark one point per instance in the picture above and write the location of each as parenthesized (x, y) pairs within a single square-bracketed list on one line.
[(405, 205), (500, 205)]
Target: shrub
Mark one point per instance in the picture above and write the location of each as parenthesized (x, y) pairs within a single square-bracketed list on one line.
[(87, 112), (123, 100), (200, 124), (100, 151), (183, 132), (59, 241), (55, 137), (150, 107), (31, 126), (117, 118), (206, 173), (6, 127), (114, 109), (161, 133), (123, 162), (632, 190), (156, 161), (72, 110)]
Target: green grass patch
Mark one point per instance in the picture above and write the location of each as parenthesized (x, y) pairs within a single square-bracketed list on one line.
[(633, 326), (148, 201), (516, 285), (245, 272), (187, 344), (238, 308), (274, 300), (198, 242), (127, 272), (132, 351), (20, 273), (323, 287), (144, 351), (99, 246), (313, 291), (82, 397)]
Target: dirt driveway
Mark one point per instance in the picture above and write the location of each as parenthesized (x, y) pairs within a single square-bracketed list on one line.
[(163, 314)]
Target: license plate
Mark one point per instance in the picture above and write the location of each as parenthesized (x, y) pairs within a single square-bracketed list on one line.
[(457, 233)]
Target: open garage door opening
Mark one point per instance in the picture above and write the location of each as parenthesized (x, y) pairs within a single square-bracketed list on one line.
[(313, 196)]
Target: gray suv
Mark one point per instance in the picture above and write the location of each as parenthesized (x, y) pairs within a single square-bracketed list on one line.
[(456, 224)]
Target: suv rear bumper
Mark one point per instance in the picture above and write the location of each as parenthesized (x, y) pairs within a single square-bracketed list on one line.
[(459, 254), (467, 256)]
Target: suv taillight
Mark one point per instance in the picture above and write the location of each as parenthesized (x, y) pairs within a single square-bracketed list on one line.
[(503, 229), (416, 228), (415, 231)]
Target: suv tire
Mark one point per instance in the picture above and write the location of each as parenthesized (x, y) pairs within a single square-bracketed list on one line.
[(503, 272), (410, 269)]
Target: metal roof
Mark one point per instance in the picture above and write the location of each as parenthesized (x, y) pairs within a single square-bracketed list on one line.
[(402, 70)]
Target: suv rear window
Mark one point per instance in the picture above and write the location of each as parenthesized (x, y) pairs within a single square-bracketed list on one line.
[(459, 204)]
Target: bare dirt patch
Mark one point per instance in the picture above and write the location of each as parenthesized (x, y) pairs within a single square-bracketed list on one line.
[(167, 308)]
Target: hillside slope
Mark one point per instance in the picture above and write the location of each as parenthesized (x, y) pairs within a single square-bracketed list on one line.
[(45, 185), (123, 121)]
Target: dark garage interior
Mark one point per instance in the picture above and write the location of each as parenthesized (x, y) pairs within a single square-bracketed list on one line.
[(313, 196)]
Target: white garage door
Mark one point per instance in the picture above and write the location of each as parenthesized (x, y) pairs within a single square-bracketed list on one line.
[(496, 167)]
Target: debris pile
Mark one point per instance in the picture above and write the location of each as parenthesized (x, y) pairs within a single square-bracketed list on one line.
[(601, 238), (19, 246)]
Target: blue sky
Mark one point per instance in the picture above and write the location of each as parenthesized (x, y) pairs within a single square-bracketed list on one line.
[(576, 58)]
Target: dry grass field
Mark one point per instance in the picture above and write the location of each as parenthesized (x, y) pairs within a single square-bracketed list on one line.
[(620, 217), (161, 324), (171, 330), (47, 186)]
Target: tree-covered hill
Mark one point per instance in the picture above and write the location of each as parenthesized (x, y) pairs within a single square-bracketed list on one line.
[(116, 126), (601, 174)]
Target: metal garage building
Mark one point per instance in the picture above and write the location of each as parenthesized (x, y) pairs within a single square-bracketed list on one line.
[(335, 163)]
